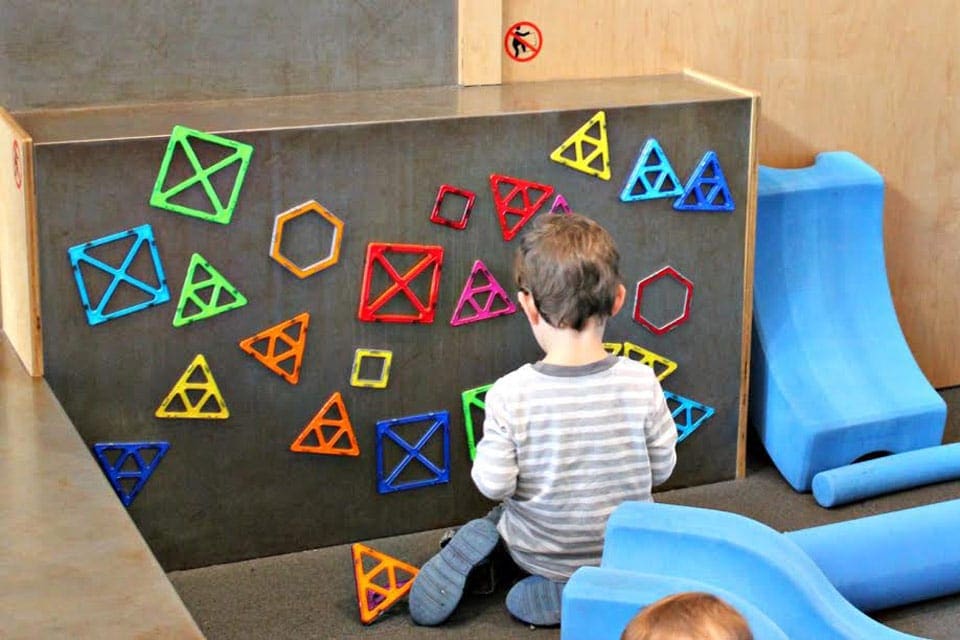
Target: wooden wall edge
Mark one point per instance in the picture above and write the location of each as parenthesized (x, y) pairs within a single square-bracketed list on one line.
[(479, 29), (748, 253), (19, 267), (721, 83), (747, 318)]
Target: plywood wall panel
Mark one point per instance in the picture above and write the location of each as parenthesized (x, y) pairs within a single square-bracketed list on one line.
[(602, 38), (876, 78)]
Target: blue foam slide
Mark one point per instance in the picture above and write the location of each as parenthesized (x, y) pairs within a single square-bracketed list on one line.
[(832, 377), (887, 475), (742, 556), (890, 559), (598, 603)]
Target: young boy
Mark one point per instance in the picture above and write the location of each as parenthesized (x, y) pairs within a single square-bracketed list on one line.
[(688, 616), (565, 440)]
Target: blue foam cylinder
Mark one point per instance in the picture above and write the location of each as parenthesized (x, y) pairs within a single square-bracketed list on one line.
[(598, 603), (832, 376), (890, 559), (886, 475)]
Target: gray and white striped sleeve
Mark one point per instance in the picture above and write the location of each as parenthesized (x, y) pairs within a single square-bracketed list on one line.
[(661, 435), (495, 468)]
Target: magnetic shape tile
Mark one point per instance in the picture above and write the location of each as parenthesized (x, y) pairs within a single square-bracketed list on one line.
[(374, 598), (479, 300), (371, 303), (560, 205), (506, 205), (276, 240), (613, 348), (143, 240), (205, 293), (707, 188), (203, 391), (683, 316), (341, 442), (375, 383), (661, 365), (652, 176), (469, 196), (129, 452), (437, 422), (473, 399), (688, 414), (283, 346), (221, 209), (587, 148)]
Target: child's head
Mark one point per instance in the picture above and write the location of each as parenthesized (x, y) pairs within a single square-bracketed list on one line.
[(570, 267), (688, 616)]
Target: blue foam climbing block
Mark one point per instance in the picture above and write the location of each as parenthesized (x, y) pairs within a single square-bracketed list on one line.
[(832, 377), (890, 559), (598, 603), (886, 475), (748, 559)]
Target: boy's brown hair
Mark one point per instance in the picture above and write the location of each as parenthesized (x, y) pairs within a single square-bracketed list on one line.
[(688, 616), (571, 267)]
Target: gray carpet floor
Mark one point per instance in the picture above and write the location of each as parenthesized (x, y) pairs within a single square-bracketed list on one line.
[(311, 594)]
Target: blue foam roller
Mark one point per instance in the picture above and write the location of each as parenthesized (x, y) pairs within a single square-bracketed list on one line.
[(832, 377), (744, 557), (890, 559), (886, 475), (598, 603)]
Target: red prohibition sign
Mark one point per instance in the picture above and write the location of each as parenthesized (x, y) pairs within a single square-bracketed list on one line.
[(523, 41), (17, 164)]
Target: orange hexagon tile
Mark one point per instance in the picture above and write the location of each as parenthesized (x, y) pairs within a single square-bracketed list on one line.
[(276, 242)]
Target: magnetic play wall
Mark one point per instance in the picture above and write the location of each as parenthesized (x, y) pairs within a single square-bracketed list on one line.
[(231, 488)]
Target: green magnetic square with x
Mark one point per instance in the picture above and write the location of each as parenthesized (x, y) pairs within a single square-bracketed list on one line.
[(473, 399), (221, 209)]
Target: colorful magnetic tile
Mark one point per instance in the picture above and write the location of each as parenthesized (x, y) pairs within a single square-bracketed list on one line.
[(687, 414), (482, 293), (179, 404), (142, 456), (652, 176), (283, 219), (707, 188), (684, 314), (437, 422), (661, 366), (596, 143), (212, 283), (613, 348), (340, 442), (375, 383), (506, 204), (469, 196), (379, 253), (221, 210), (382, 585), (142, 241), (560, 205), (283, 351), (473, 399)]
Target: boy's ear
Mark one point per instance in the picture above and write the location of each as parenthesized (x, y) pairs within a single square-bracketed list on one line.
[(529, 307), (618, 300)]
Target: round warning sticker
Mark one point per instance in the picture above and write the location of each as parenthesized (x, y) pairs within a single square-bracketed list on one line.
[(523, 41)]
